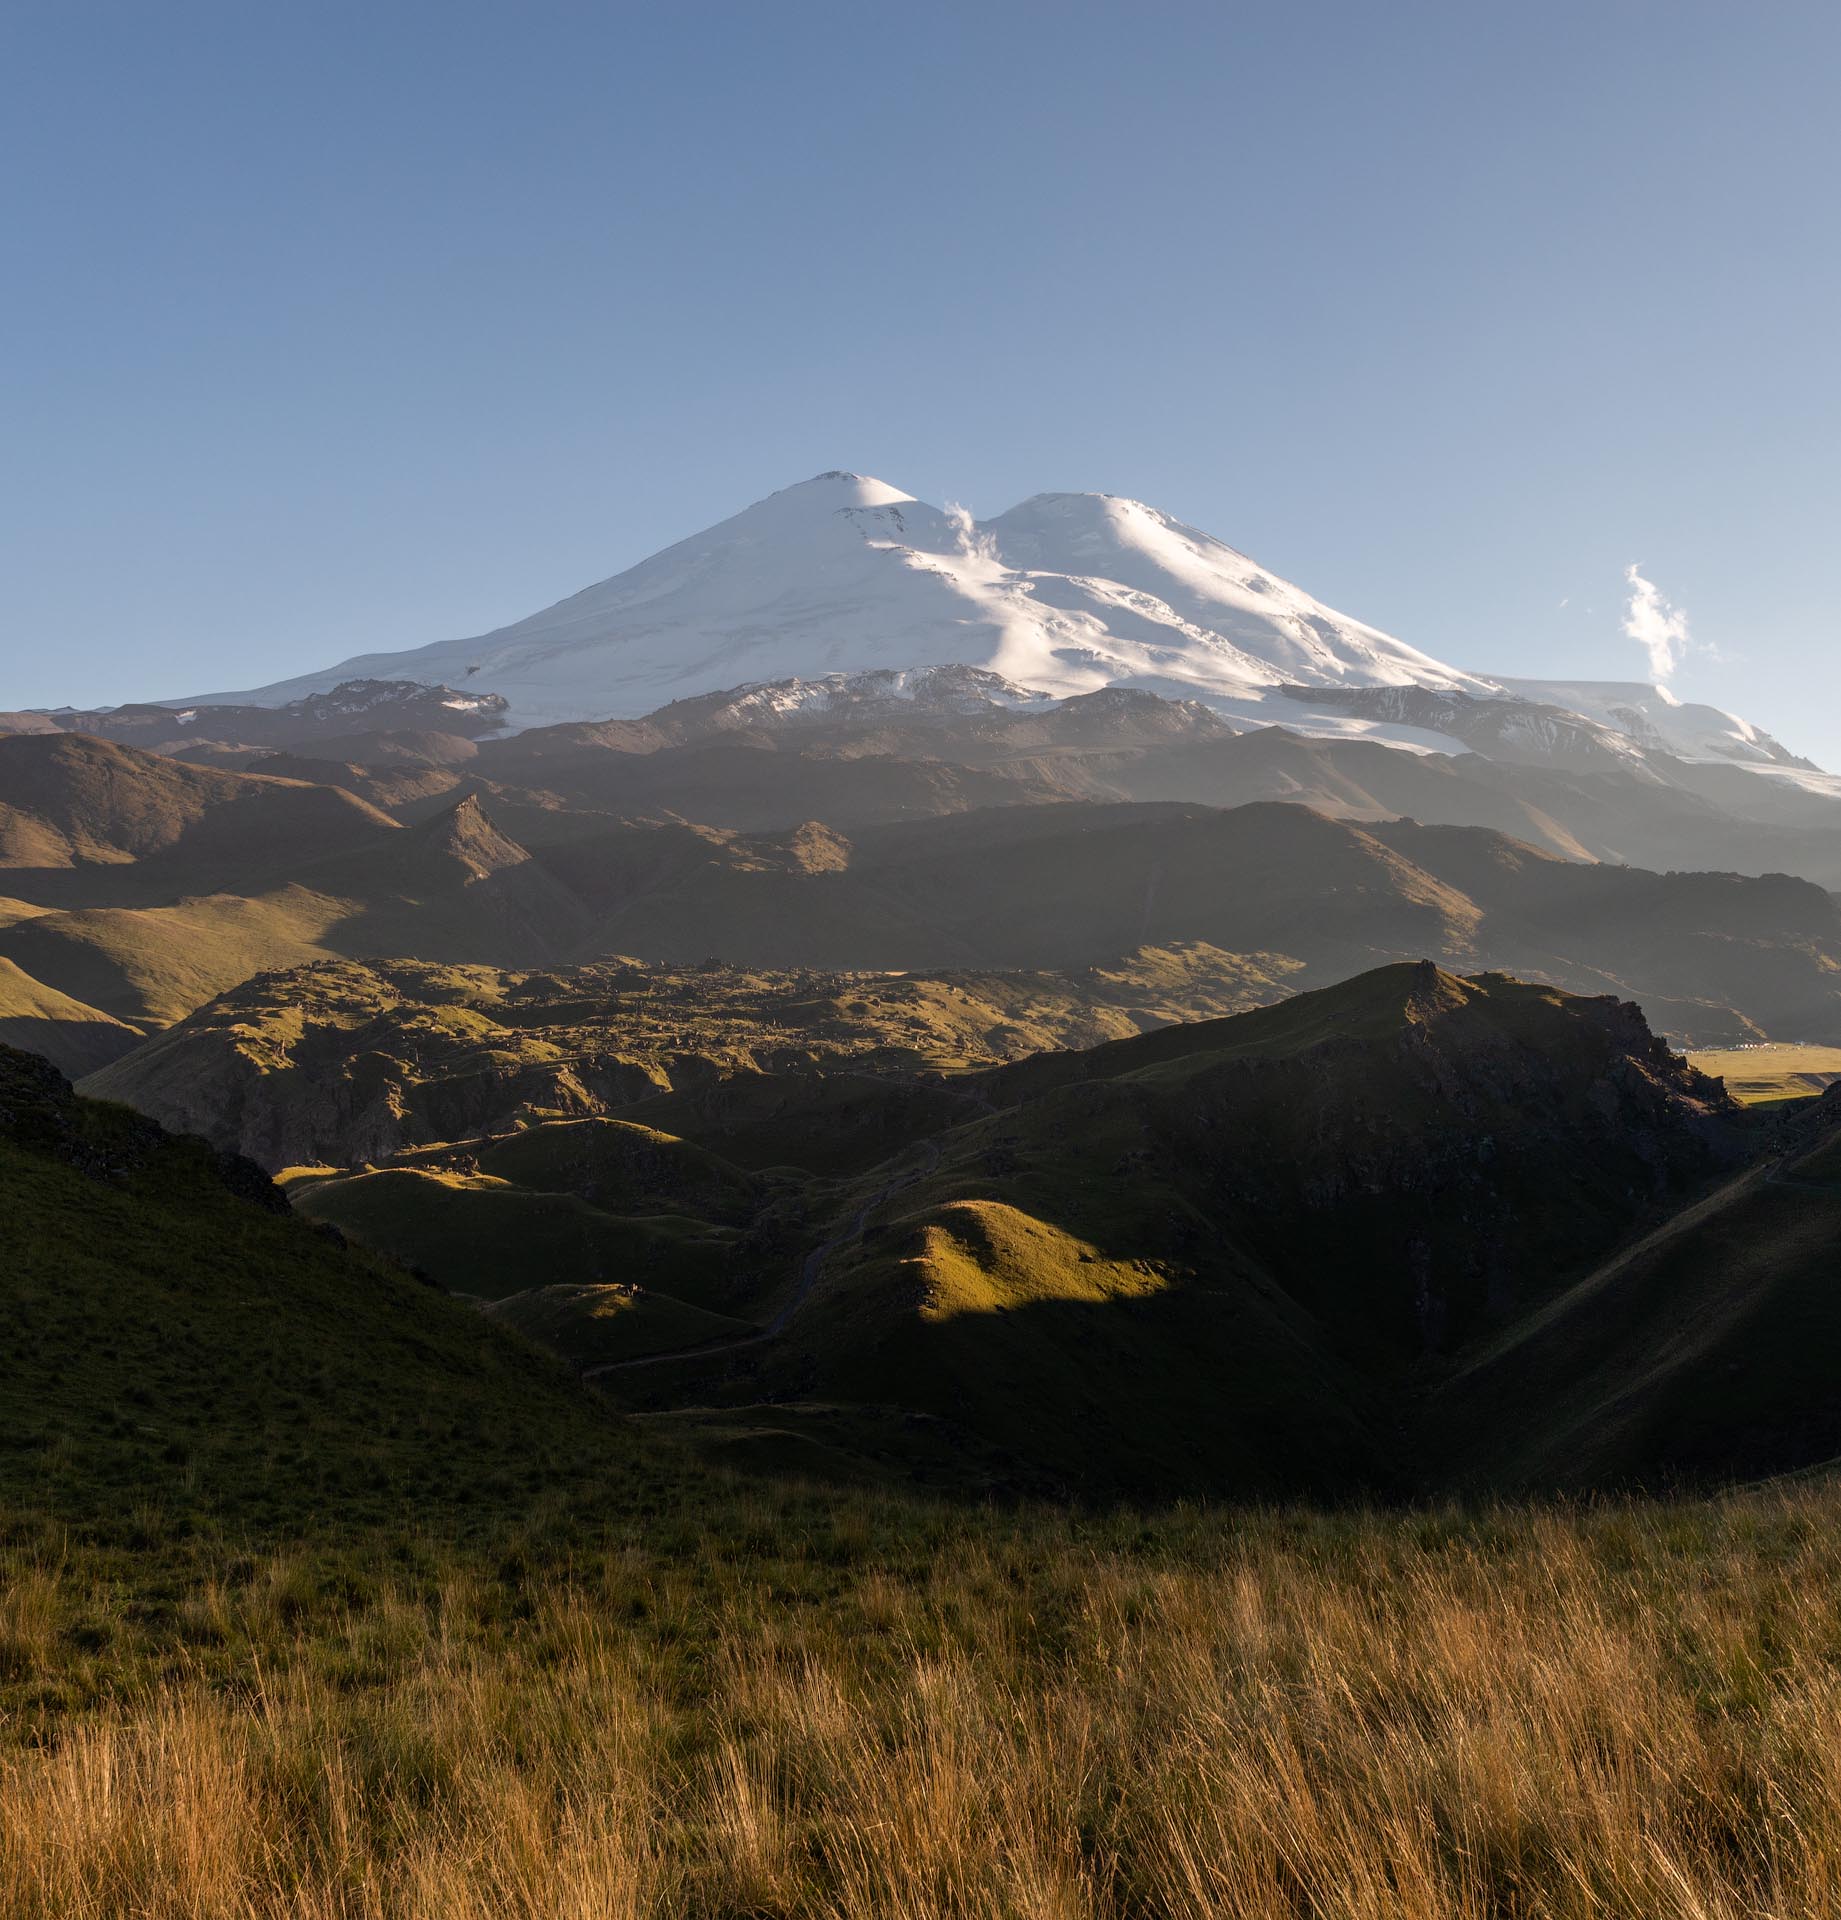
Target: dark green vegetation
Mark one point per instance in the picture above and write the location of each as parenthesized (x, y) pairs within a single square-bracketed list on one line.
[(179, 1346), (1706, 1351)]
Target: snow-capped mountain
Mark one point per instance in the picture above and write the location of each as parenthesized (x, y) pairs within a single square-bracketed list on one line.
[(1067, 593), (1063, 594)]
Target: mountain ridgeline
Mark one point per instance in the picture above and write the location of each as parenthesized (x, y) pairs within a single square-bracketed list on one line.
[(140, 888), (845, 577)]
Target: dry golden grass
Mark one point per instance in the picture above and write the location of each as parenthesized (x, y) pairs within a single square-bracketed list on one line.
[(1635, 1711)]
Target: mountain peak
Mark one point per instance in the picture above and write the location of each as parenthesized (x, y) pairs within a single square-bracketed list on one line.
[(846, 574), (463, 837), (839, 487)]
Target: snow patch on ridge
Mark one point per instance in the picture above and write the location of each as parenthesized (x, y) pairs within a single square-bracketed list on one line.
[(1653, 718)]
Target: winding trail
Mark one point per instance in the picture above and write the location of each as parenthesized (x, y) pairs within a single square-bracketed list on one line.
[(809, 1270)]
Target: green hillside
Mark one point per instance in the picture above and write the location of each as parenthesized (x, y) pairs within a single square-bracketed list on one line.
[(182, 1351)]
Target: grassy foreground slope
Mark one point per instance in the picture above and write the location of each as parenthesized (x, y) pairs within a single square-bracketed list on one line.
[(318, 1599)]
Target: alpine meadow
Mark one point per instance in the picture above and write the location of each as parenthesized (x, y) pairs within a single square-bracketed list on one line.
[(920, 1212)]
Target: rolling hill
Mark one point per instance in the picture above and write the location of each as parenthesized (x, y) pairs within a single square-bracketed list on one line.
[(1233, 1254), (68, 801), (145, 886), (74, 1037)]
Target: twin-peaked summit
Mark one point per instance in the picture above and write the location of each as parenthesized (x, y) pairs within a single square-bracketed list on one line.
[(843, 576), (1063, 594)]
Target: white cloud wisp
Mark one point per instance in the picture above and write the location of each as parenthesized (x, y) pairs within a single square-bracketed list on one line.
[(1660, 629)]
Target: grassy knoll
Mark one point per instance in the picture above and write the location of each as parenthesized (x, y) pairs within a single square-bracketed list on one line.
[(1765, 1075)]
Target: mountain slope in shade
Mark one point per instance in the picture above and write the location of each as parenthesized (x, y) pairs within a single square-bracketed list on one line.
[(68, 801), (1062, 594), (162, 1306), (1705, 1351)]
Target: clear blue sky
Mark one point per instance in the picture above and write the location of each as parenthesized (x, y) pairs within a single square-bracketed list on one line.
[(331, 328)]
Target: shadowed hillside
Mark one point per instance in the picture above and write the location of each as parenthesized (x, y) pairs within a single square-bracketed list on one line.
[(75, 1038), (69, 801), (179, 1346), (1231, 1254), (1707, 1351)]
